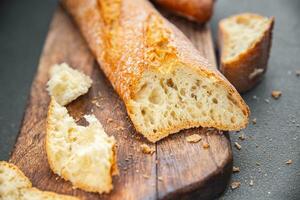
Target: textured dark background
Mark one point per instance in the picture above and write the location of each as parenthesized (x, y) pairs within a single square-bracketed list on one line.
[(269, 144)]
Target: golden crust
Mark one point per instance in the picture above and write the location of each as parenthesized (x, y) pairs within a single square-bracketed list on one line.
[(50, 157), (47, 194), (246, 70), (195, 10), (120, 46)]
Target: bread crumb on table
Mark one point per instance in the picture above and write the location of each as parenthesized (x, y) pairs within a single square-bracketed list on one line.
[(242, 136), (251, 183), (254, 120), (276, 94), (146, 149), (193, 138), (238, 146), (235, 185), (289, 162), (160, 178), (235, 169)]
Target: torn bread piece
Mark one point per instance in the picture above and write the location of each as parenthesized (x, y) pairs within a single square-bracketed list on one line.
[(85, 156), (245, 42), (164, 82), (14, 185), (66, 84)]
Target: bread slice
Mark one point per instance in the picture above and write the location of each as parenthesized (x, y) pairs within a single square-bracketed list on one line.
[(14, 185), (195, 10), (66, 84), (245, 41), (164, 82), (85, 156)]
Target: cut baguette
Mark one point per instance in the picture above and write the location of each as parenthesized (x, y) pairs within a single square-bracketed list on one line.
[(165, 83), (85, 156), (14, 185), (245, 42), (195, 10), (66, 84)]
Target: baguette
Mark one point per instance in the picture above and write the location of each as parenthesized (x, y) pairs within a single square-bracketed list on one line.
[(14, 185), (85, 156), (164, 82), (195, 10), (66, 84), (245, 42)]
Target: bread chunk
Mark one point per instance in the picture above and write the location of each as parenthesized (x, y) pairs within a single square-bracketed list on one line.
[(14, 185), (66, 84), (164, 82), (245, 41), (85, 156)]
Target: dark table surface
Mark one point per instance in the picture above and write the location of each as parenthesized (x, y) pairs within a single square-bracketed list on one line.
[(273, 140)]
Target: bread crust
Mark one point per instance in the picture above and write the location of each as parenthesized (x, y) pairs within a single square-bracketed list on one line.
[(127, 63), (246, 70), (195, 10)]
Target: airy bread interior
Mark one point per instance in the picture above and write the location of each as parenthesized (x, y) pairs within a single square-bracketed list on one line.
[(83, 155), (66, 84), (182, 99), (242, 32)]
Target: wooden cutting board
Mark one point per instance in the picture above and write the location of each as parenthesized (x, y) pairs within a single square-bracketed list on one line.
[(177, 169)]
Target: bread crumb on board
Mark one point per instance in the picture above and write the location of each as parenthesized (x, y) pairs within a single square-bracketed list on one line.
[(276, 94), (289, 162), (193, 138), (235, 185), (146, 149), (254, 120), (235, 169), (238, 146), (205, 145)]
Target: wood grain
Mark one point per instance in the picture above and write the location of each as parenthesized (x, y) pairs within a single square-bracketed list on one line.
[(176, 168)]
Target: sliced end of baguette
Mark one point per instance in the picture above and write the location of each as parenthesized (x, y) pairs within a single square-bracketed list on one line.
[(85, 156), (11, 179), (245, 41), (66, 84), (243, 31), (167, 103), (173, 94)]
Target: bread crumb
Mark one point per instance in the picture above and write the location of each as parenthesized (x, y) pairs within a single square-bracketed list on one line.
[(205, 145), (289, 162), (238, 146), (254, 120), (109, 120), (146, 149), (276, 94), (235, 169), (242, 136), (267, 100), (193, 138), (298, 73), (251, 183), (235, 184), (160, 178), (146, 176), (120, 128)]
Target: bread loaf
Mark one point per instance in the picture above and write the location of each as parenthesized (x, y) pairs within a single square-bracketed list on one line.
[(85, 156), (164, 82), (195, 10), (14, 185), (245, 42)]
